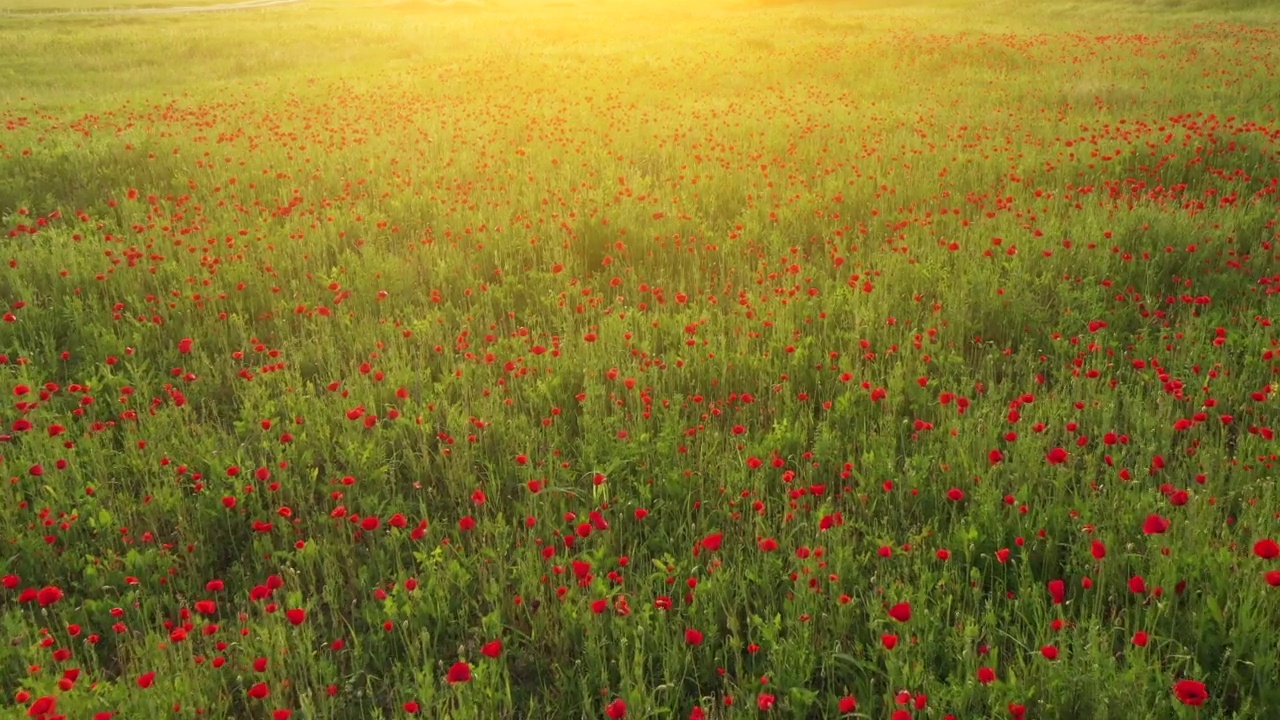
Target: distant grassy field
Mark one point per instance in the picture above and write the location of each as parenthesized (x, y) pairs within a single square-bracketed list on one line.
[(885, 359), (36, 6)]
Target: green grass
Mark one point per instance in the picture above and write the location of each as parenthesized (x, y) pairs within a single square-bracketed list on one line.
[(365, 309)]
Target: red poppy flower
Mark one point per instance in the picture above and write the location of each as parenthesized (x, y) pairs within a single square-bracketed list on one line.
[(1266, 549), (48, 596), (616, 710), (459, 672), (492, 649), (693, 637), (1098, 549), (847, 704), (1058, 591), (1190, 692), (900, 612), (1155, 525), (986, 675), (42, 706)]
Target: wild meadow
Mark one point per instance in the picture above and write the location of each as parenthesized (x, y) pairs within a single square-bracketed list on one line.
[(869, 359)]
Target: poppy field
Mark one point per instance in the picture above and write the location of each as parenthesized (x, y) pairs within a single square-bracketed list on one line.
[(879, 359)]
